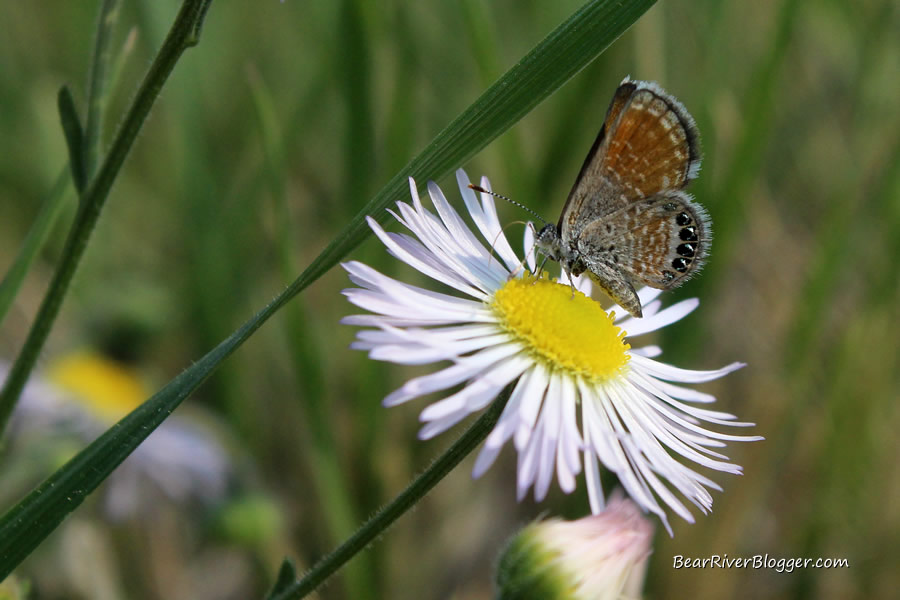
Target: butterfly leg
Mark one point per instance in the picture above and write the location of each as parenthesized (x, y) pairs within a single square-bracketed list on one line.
[(571, 283), (540, 269)]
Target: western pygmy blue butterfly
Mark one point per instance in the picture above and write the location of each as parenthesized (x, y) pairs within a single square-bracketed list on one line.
[(627, 219)]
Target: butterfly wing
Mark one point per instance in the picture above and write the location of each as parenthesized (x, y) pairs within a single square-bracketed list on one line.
[(660, 242), (648, 144)]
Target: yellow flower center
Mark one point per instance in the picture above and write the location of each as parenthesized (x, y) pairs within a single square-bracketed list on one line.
[(108, 390), (569, 332)]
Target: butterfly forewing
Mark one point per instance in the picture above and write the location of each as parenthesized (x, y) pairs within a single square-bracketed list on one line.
[(648, 143)]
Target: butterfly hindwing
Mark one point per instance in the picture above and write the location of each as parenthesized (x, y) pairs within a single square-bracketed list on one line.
[(660, 241)]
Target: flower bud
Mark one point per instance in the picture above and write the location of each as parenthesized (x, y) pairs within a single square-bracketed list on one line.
[(599, 557)]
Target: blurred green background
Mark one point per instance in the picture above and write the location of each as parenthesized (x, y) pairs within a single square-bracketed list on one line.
[(289, 116)]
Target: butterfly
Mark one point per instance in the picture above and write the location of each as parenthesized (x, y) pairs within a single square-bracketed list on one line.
[(628, 219)]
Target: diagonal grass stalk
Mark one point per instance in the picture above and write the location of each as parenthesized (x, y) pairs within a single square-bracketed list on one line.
[(34, 241), (184, 34), (99, 85)]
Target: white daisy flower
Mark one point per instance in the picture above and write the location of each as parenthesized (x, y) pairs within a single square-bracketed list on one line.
[(559, 350)]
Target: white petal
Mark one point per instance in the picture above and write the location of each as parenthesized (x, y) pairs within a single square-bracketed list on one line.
[(683, 393), (527, 467), (670, 315), (417, 256), (494, 229), (583, 284), (455, 249), (454, 224), (592, 477), (716, 417), (466, 368), (485, 459), (409, 295), (531, 405), (645, 295), (484, 216), (670, 373), (477, 394), (509, 418), (551, 417), (648, 384), (528, 244), (646, 427), (438, 427), (610, 442), (378, 303), (570, 438), (648, 351)]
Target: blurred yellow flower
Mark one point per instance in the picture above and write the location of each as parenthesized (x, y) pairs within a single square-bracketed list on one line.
[(110, 390)]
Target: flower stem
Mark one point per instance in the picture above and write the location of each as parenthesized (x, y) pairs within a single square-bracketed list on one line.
[(385, 517), (185, 33), (50, 210), (98, 84)]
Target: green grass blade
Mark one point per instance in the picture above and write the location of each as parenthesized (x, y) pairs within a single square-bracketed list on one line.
[(184, 34), (287, 574), (568, 49), (98, 85), (34, 241), (74, 133)]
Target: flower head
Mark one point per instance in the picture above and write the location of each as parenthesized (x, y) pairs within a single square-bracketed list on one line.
[(81, 395), (558, 349), (600, 557)]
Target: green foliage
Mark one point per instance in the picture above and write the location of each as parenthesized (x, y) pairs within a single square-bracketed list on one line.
[(269, 145)]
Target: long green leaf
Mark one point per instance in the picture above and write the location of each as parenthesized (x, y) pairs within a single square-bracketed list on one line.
[(33, 242), (185, 33), (557, 58), (99, 85), (74, 133)]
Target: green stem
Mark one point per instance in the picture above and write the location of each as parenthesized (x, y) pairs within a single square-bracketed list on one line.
[(98, 85), (184, 34), (408, 498), (37, 235)]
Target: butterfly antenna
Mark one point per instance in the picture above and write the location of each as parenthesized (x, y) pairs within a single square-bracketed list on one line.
[(478, 188)]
